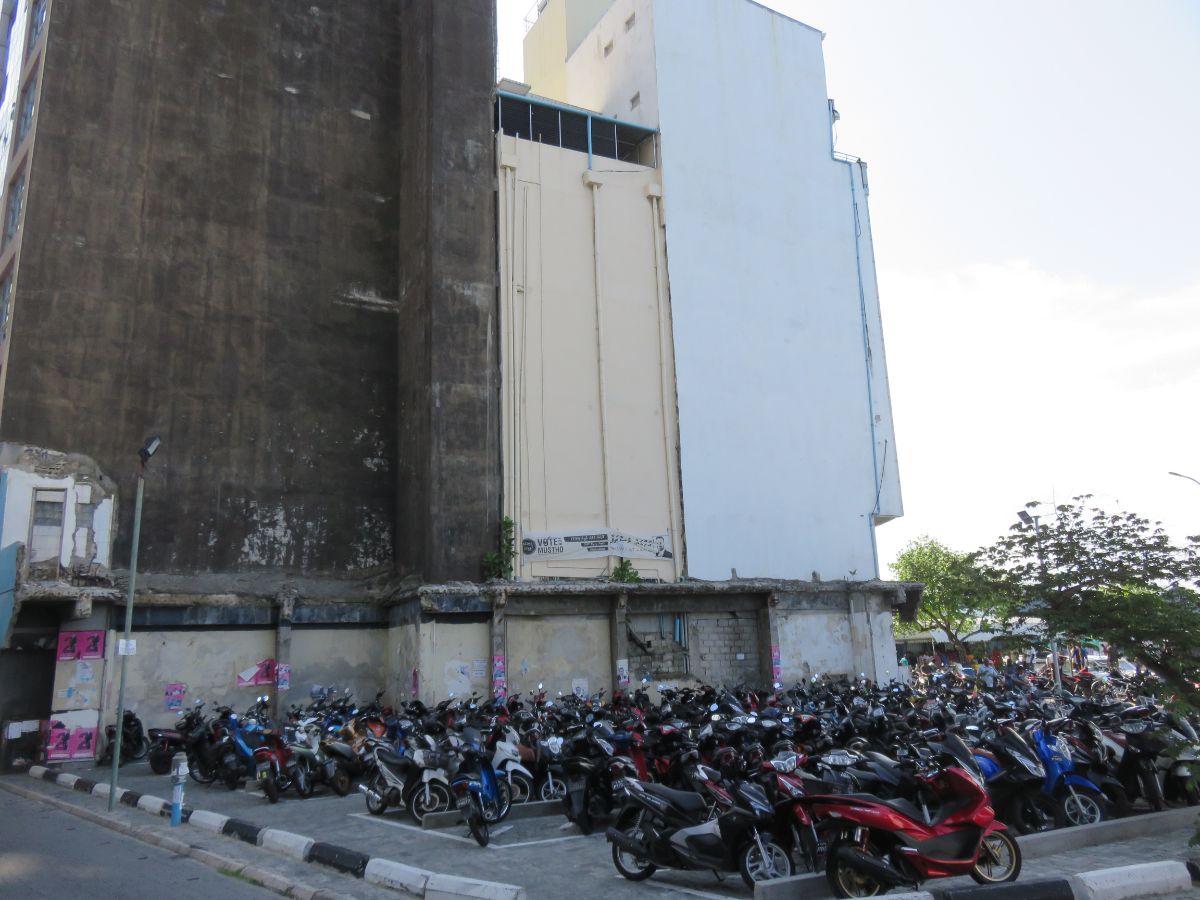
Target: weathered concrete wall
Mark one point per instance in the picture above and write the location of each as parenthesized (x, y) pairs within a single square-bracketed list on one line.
[(846, 632), (403, 655), (351, 659), (206, 661), (448, 454), (209, 253), (455, 657), (556, 650)]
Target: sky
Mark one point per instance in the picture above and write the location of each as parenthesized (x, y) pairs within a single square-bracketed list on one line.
[(1035, 193)]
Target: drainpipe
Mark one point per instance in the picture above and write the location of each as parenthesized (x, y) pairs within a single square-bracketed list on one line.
[(594, 183), (285, 603)]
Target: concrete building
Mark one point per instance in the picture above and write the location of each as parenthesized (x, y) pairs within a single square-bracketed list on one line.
[(370, 313), (787, 449)]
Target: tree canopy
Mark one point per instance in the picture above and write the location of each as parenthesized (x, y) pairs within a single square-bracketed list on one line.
[(958, 597), (1117, 577)]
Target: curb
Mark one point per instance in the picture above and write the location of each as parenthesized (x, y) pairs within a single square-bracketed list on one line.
[(382, 872), (1127, 882)]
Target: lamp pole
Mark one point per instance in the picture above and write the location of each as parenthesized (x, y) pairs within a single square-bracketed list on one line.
[(1035, 521), (144, 455), (1188, 477)]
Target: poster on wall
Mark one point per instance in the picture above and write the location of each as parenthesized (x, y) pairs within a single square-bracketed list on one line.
[(499, 677), (283, 676), (579, 687), (776, 666), (174, 695), (82, 744), (262, 672), (68, 645), (58, 745), (622, 673), (91, 644), (540, 546)]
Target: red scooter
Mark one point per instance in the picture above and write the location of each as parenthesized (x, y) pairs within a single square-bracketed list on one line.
[(875, 845)]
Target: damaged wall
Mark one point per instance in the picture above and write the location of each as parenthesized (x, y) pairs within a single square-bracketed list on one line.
[(557, 650), (213, 259)]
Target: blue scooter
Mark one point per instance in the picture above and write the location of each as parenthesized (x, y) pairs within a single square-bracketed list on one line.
[(241, 736), (1077, 800), (475, 787)]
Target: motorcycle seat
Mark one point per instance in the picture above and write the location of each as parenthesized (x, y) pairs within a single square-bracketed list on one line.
[(900, 805), (686, 801), (391, 758)]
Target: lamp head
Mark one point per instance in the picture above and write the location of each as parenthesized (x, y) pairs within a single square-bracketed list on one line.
[(150, 448)]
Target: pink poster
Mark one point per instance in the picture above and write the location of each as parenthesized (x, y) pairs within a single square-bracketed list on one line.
[(58, 746), (91, 644), (776, 666), (283, 676), (499, 680), (82, 744), (262, 672), (68, 645)]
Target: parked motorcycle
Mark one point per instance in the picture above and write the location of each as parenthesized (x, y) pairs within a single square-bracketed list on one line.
[(134, 744)]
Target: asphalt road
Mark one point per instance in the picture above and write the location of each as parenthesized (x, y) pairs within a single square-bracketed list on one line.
[(51, 854)]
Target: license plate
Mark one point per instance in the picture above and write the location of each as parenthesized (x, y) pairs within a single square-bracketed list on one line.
[(263, 771), (464, 801)]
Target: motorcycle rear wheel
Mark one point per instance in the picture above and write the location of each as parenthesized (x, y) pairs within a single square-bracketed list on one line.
[(160, 760), (379, 787), (754, 868), (270, 788), (847, 882), (522, 788), (340, 782), (999, 859), (302, 781), (437, 801), (498, 811), (477, 822), (632, 867), (1030, 811)]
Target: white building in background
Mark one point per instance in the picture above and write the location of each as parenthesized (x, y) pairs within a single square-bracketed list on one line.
[(786, 447)]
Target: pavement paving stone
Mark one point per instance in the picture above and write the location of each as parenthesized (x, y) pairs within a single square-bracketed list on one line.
[(546, 855)]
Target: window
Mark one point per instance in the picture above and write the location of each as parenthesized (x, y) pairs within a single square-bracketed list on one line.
[(37, 24), (636, 100), (12, 215), (608, 49), (45, 542), (25, 110), (6, 285), (630, 21)]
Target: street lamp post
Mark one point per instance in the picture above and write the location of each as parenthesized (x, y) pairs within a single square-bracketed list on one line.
[(1035, 521), (1188, 477), (144, 454)]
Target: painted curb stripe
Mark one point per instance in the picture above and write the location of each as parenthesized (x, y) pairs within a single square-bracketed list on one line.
[(83, 785), (50, 775), (242, 830), (340, 858), (130, 798)]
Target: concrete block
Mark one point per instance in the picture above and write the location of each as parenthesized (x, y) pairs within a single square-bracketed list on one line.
[(798, 887), (451, 887), (1048, 843), (286, 842), (208, 821), (37, 772), (1126, 882), (340, 858), (66, 779), (396, 876), (152, 805), (242, 830), (1044, 889)]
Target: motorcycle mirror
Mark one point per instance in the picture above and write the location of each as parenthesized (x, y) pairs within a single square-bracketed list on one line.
[(712, 707), (779, 686), (539, 685)]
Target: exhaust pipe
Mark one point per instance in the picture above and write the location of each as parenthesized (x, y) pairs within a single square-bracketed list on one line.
[(879, 869), (370, 793), (627, 844)]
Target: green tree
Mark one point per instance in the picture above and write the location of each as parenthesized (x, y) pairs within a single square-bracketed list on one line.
[(1088, 573), (958, 597)]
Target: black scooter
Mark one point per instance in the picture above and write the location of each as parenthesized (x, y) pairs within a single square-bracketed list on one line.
[(133, 741), (660, 827), (166, 742)]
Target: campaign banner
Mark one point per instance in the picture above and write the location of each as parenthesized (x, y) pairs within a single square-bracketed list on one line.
[(540, 546)]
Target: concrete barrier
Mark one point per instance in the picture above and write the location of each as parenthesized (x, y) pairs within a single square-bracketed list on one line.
[(396, 876), (208, 821), (1127, 882), (38, 772), (152, 805), (810, 886), (451, 887), (1061, 840), (1044, 889), (66, 779), (288, 843)]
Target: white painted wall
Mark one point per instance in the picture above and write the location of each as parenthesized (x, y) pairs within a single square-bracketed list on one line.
[(17, 487)]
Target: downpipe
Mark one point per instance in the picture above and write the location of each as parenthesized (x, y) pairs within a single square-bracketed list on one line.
[(879, 869)]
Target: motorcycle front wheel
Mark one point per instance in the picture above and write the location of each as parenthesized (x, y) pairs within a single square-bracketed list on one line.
[(847, 882), (270, 788), (552, 790), (140, 748), (477, 822), (1082, 806), (999, 859), (302, 781), (632, 867), (763, 865), (522, 787), (498, 811), (1030, 811), (340, 781)]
